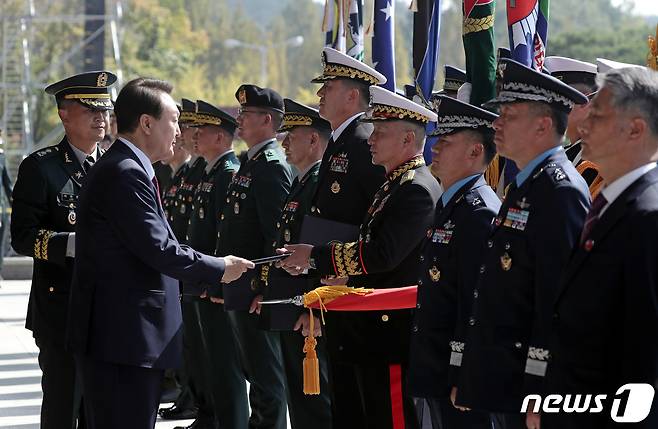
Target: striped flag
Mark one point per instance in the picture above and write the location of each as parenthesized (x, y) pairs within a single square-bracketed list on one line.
[(354, 34), (427, 23), (528, 31), (343, 26), (383, 41)]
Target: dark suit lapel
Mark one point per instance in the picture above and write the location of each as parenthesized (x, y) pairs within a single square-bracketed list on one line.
[(70, 162), (124, 149), (608, 220)]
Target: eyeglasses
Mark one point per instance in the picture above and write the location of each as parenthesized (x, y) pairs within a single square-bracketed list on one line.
[(242, 112)]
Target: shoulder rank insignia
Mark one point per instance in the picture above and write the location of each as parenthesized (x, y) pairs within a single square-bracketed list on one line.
[(78, 175), (558, 174), (408, 176), (44, 152)]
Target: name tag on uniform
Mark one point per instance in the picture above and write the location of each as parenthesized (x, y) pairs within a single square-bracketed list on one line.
[(339, 163), (516, 219)]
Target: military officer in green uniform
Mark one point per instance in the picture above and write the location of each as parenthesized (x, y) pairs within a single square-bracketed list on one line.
[(347, 182), (386, 254), (180, 215), (183, 144), (304, 144), (43, 224), (216, 362), (254, 203)]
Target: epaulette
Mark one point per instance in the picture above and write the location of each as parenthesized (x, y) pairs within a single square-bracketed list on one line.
[(473, 198), (229, 164), (554, 171), (47, 152), (271, 155), (407, 177)]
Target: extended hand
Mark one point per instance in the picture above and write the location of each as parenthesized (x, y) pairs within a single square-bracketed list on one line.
[(235, 267), (296, 263), (304, 322)]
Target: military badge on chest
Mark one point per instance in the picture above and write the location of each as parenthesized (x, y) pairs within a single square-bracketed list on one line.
[(517, 217), (443, 235), (339, 163)]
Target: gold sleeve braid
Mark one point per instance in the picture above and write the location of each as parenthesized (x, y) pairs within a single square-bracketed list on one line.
[(347, 262), (41, 244)]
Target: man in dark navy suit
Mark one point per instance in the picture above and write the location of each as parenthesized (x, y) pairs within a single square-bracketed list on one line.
[(605, 320), (125, 322)]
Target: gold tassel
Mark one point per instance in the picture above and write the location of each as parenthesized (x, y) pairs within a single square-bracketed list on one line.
[(325, 294), (597, 183), (492, 173), (311, 365), (413, 6), (322, 295), (652, 56)]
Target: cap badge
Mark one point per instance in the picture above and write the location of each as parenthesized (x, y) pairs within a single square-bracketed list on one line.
[(242, 96), (102, 80)]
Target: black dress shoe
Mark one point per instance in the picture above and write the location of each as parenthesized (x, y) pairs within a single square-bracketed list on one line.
[(176, 412)]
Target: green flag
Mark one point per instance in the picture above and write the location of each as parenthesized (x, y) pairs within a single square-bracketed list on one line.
[(480, 49)]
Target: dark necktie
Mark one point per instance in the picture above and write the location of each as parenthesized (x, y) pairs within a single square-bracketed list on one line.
[(88, 163), (295, 182), (157, 190), (593, 216)]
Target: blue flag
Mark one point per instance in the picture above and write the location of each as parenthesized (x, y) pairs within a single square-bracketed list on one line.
[(383, 41), (430, 61)]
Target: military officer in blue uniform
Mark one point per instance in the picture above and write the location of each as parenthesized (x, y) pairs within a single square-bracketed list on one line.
[(385, 255), (451, 257), (605, 317), (347, 183), (506, 347), (247, 226), (305, 142), (580, 75), (43, 222), (454, 78)]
